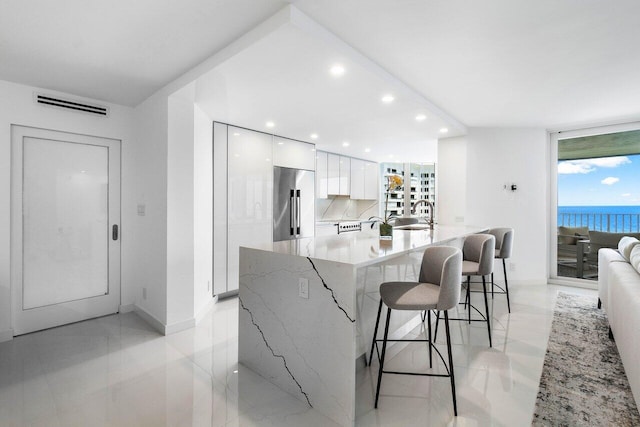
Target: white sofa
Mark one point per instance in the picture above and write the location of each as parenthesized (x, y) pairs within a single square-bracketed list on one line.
[(619, 292)]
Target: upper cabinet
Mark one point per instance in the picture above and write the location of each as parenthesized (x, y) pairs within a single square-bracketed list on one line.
[(345, 176), (357, 179), (338, 175), (290, 153), (321, 175), (371, 186), (333, 174), (364, 180)]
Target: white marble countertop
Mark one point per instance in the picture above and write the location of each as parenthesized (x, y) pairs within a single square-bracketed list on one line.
[(362, 249)]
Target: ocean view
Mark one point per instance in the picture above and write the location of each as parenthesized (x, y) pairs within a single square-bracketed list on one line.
[(618, 219)]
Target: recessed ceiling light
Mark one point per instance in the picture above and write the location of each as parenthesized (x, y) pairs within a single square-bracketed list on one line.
[(391, 156), (337, 70), (444, 130), (314, 136), (367, 150), (270, 124), (267, 160), (280, 143), (345, 144), (236, 134), (421, 117), (387, 99)]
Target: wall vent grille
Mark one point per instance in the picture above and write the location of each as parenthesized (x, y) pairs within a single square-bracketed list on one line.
[(67, 104)]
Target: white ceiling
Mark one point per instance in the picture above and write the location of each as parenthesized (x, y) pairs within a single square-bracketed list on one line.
[(498, 63), (285, 78)]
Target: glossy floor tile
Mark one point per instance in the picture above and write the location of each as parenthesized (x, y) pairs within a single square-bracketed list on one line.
[(117, 371)]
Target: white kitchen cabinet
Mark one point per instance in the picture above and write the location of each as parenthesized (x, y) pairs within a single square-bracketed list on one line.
[(371, 176), (290, 153), (333, 174), (250, 195), (357, 179), (364, 180), (322, 177), (345, 176)]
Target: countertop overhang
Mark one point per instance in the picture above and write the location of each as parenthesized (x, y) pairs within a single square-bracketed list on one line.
[(362, 249)]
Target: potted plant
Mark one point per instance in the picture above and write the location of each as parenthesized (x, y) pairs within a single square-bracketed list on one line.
[(394, 183)]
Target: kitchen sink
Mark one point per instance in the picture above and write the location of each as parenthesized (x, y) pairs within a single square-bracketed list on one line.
[(412, 227)]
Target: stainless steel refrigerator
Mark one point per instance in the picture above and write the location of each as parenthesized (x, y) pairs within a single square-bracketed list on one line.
[(293, 203)]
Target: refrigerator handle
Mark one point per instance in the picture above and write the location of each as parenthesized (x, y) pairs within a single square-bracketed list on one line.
[(298, 218), (292, 214)]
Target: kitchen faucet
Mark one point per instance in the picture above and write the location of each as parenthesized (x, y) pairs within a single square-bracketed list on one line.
[(430, 220)]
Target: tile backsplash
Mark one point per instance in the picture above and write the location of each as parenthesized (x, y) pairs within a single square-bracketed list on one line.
[(344, 208)]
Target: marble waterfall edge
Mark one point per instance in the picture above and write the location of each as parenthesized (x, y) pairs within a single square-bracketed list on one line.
[(275, 324)]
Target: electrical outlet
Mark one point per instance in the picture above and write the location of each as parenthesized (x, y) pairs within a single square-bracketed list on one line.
[(144, 293), (303, 287)]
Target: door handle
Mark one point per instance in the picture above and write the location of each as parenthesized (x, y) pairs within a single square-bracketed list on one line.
[(298, 215), (114, 232), (292, 214)]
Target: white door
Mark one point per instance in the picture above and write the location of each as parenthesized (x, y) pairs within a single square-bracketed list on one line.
[(65, 237)]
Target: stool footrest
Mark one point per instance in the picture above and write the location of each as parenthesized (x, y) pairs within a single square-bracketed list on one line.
[(416, 374)]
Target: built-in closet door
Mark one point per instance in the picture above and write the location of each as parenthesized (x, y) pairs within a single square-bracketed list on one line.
[(250, 195), (65, 241)]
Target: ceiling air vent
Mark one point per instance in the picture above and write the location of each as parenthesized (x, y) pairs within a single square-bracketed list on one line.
[(67, 104)]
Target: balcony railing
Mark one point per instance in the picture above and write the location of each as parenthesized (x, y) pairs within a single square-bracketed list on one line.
[(611, 222)]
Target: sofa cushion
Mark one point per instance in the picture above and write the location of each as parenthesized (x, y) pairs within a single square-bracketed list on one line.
[(603, 239), (626, 245), (634, 258), (571, 235)]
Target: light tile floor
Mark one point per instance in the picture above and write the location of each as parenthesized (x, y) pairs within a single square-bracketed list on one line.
[(116, 370)]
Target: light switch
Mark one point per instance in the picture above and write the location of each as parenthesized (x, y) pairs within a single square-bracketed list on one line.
[(142, 208)]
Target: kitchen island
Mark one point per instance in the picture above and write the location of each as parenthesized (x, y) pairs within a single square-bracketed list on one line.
[(308, 307)]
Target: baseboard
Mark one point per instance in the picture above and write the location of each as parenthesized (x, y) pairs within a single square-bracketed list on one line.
[(206, 309), (127, 308), (6, 335), (180, 326), (150, 319)]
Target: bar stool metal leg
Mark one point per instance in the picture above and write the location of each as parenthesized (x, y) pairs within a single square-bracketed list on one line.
[(486, 307), (506, 284), (384, 348), (375, 334), (453, 381), (430, 342)]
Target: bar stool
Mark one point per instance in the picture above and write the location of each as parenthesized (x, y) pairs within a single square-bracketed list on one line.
[(478, 253), (438, 289), (504, 243)]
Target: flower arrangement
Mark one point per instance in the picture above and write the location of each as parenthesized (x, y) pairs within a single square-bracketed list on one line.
[(394, 183)]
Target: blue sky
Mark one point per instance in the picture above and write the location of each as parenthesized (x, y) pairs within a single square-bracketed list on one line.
[(607, 181)]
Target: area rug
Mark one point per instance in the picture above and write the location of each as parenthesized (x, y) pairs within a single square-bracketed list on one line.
[(583, 381)]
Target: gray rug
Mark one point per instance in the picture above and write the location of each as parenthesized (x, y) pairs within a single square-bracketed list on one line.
[(583, 381)]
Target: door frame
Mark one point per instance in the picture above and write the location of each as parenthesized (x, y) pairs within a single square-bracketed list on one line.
[(555, 136), (18, 133)]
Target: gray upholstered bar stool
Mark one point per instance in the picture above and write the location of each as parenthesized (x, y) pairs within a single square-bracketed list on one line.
[(504, 243), (478, 253), (438, 289)]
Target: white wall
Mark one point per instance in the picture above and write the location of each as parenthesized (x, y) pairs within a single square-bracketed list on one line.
[(495, 156), (451, 180), (18, 107), (145, 259), (180, 208)]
